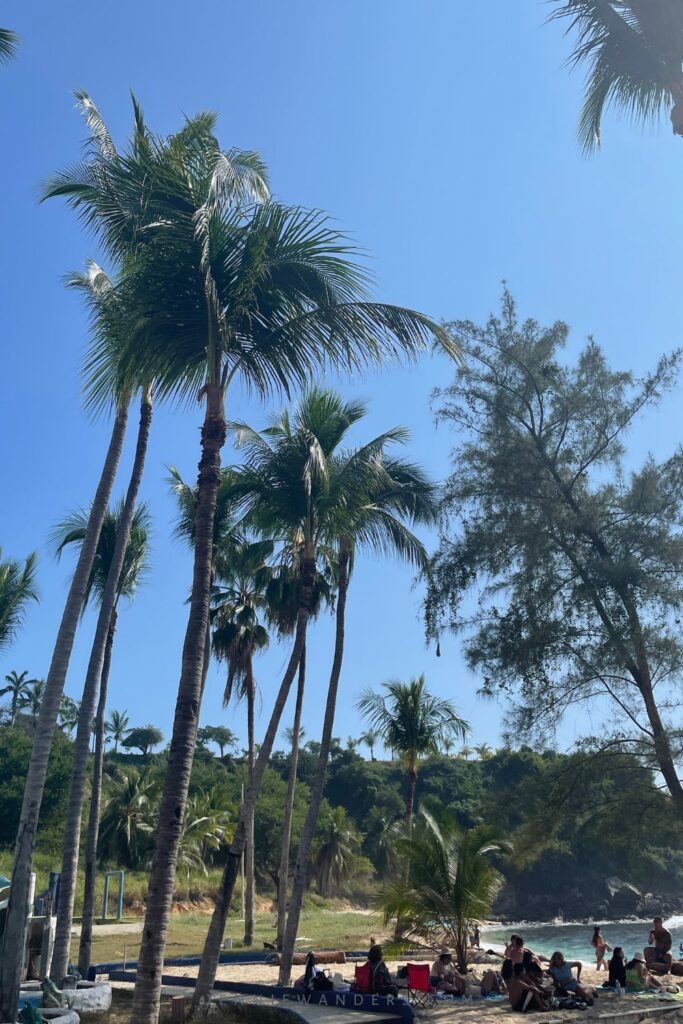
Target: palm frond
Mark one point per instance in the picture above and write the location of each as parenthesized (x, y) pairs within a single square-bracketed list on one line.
[(9, 42)]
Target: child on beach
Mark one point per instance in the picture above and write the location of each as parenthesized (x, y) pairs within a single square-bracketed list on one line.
[(601, 947)]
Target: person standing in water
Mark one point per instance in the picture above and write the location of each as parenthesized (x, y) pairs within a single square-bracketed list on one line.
[(601, 947)]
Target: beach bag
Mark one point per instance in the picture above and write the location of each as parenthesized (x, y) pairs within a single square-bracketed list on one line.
[(321, 983)]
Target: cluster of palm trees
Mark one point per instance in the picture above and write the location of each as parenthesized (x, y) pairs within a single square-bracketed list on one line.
[(211, 282)]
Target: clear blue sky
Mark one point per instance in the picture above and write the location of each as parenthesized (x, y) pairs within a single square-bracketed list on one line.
[(442, 134)]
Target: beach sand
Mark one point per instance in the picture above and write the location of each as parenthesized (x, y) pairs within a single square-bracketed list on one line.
[(479, 1011)]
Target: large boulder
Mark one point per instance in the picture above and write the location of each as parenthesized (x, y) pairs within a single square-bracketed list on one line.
[(624, 898)]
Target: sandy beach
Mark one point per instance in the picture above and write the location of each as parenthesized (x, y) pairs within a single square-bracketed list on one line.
[(483, 1011)]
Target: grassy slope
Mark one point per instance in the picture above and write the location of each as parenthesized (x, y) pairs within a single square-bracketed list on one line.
[(330, 927)]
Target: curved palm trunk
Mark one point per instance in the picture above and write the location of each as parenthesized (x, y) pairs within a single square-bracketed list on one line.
[(283, 880), (310, 825), (184, 739), (249, 827), (88, 917), (214, 937), (14, 939), (79, 773)]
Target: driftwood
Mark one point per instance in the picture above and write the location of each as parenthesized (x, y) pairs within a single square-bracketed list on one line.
[(336, 956)]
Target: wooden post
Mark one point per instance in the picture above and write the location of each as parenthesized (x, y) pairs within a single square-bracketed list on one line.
[(178, 1009)]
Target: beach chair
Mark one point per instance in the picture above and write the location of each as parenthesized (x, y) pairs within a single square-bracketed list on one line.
[(421, 992), (362, 978)]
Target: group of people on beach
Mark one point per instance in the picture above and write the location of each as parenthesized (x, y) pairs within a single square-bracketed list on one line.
[(530, 988)]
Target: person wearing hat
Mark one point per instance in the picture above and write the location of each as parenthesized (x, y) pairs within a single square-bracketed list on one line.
[(638, 977), (445, 976)]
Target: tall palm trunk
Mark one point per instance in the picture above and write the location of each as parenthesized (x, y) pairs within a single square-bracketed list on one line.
[(88, 917), (14, 939), (412, 783), (249, 828), (207, 968), (283, 880), (310, 825), (184, 739), (79, 773)]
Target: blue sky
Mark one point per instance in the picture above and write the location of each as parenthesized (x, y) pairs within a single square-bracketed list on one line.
[(442, 135)]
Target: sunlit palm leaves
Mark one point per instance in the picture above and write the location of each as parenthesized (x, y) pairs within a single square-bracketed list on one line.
[(633, 50), (17, 591), (452, 881)]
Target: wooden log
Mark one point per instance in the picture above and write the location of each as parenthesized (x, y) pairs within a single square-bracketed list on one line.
[(336, 956)]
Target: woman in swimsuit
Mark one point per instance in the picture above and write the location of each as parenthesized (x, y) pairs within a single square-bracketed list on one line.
[(601, 947)]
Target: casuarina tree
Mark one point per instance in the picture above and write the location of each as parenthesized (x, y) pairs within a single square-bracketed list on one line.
[(576, 554)]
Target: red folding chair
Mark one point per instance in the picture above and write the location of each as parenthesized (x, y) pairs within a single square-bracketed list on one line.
[(362, 979), (421, 992)]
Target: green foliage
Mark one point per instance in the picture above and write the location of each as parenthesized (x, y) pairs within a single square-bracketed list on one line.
[(17, 590), (143, 739), (224, 738), (15, 753), (451, 881), (335, 850), (9, 41), (634, 53), (576, 561)]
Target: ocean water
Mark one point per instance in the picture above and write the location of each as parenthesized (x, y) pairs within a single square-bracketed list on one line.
[(574, 940)]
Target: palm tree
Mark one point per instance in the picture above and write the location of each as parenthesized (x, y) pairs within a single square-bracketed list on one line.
[(337, 848), (634, 53), (116, 728), (268, 293), (483, 751), (447, 744), (370, 738), (412, 721), (207, 827), (293, 735), (128, 819), (19, 686), (69, 710), (451, 882), (119, 565), (17, 590), (32, 700), (242, 575), (9, 41), (106, 384), (465, 752), (346, 500)]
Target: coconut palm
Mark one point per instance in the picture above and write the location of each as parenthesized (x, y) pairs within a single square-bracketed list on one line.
[(483, 751), (466, 752), (370, 738), (128, 819), (32, 700), (112, 383), (268, 294), (447, 744), (451, 882), (412, 721), (634, 53), (120, 563), (242, 576), (337, 848), (299, 480), (19, 686), (116, 728), (17, 590), (207, 827), (293, 735), (9, 41), (69, 710)]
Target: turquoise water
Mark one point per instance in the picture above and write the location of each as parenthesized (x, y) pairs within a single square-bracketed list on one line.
[(574, 939)]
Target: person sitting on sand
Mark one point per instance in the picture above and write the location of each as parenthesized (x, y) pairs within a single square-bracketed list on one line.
[(560, 970), (601, 947), (617, 968), (380, 978), (445, 976), (529, 957), (638, 977), (523, 994), (658, 954)]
